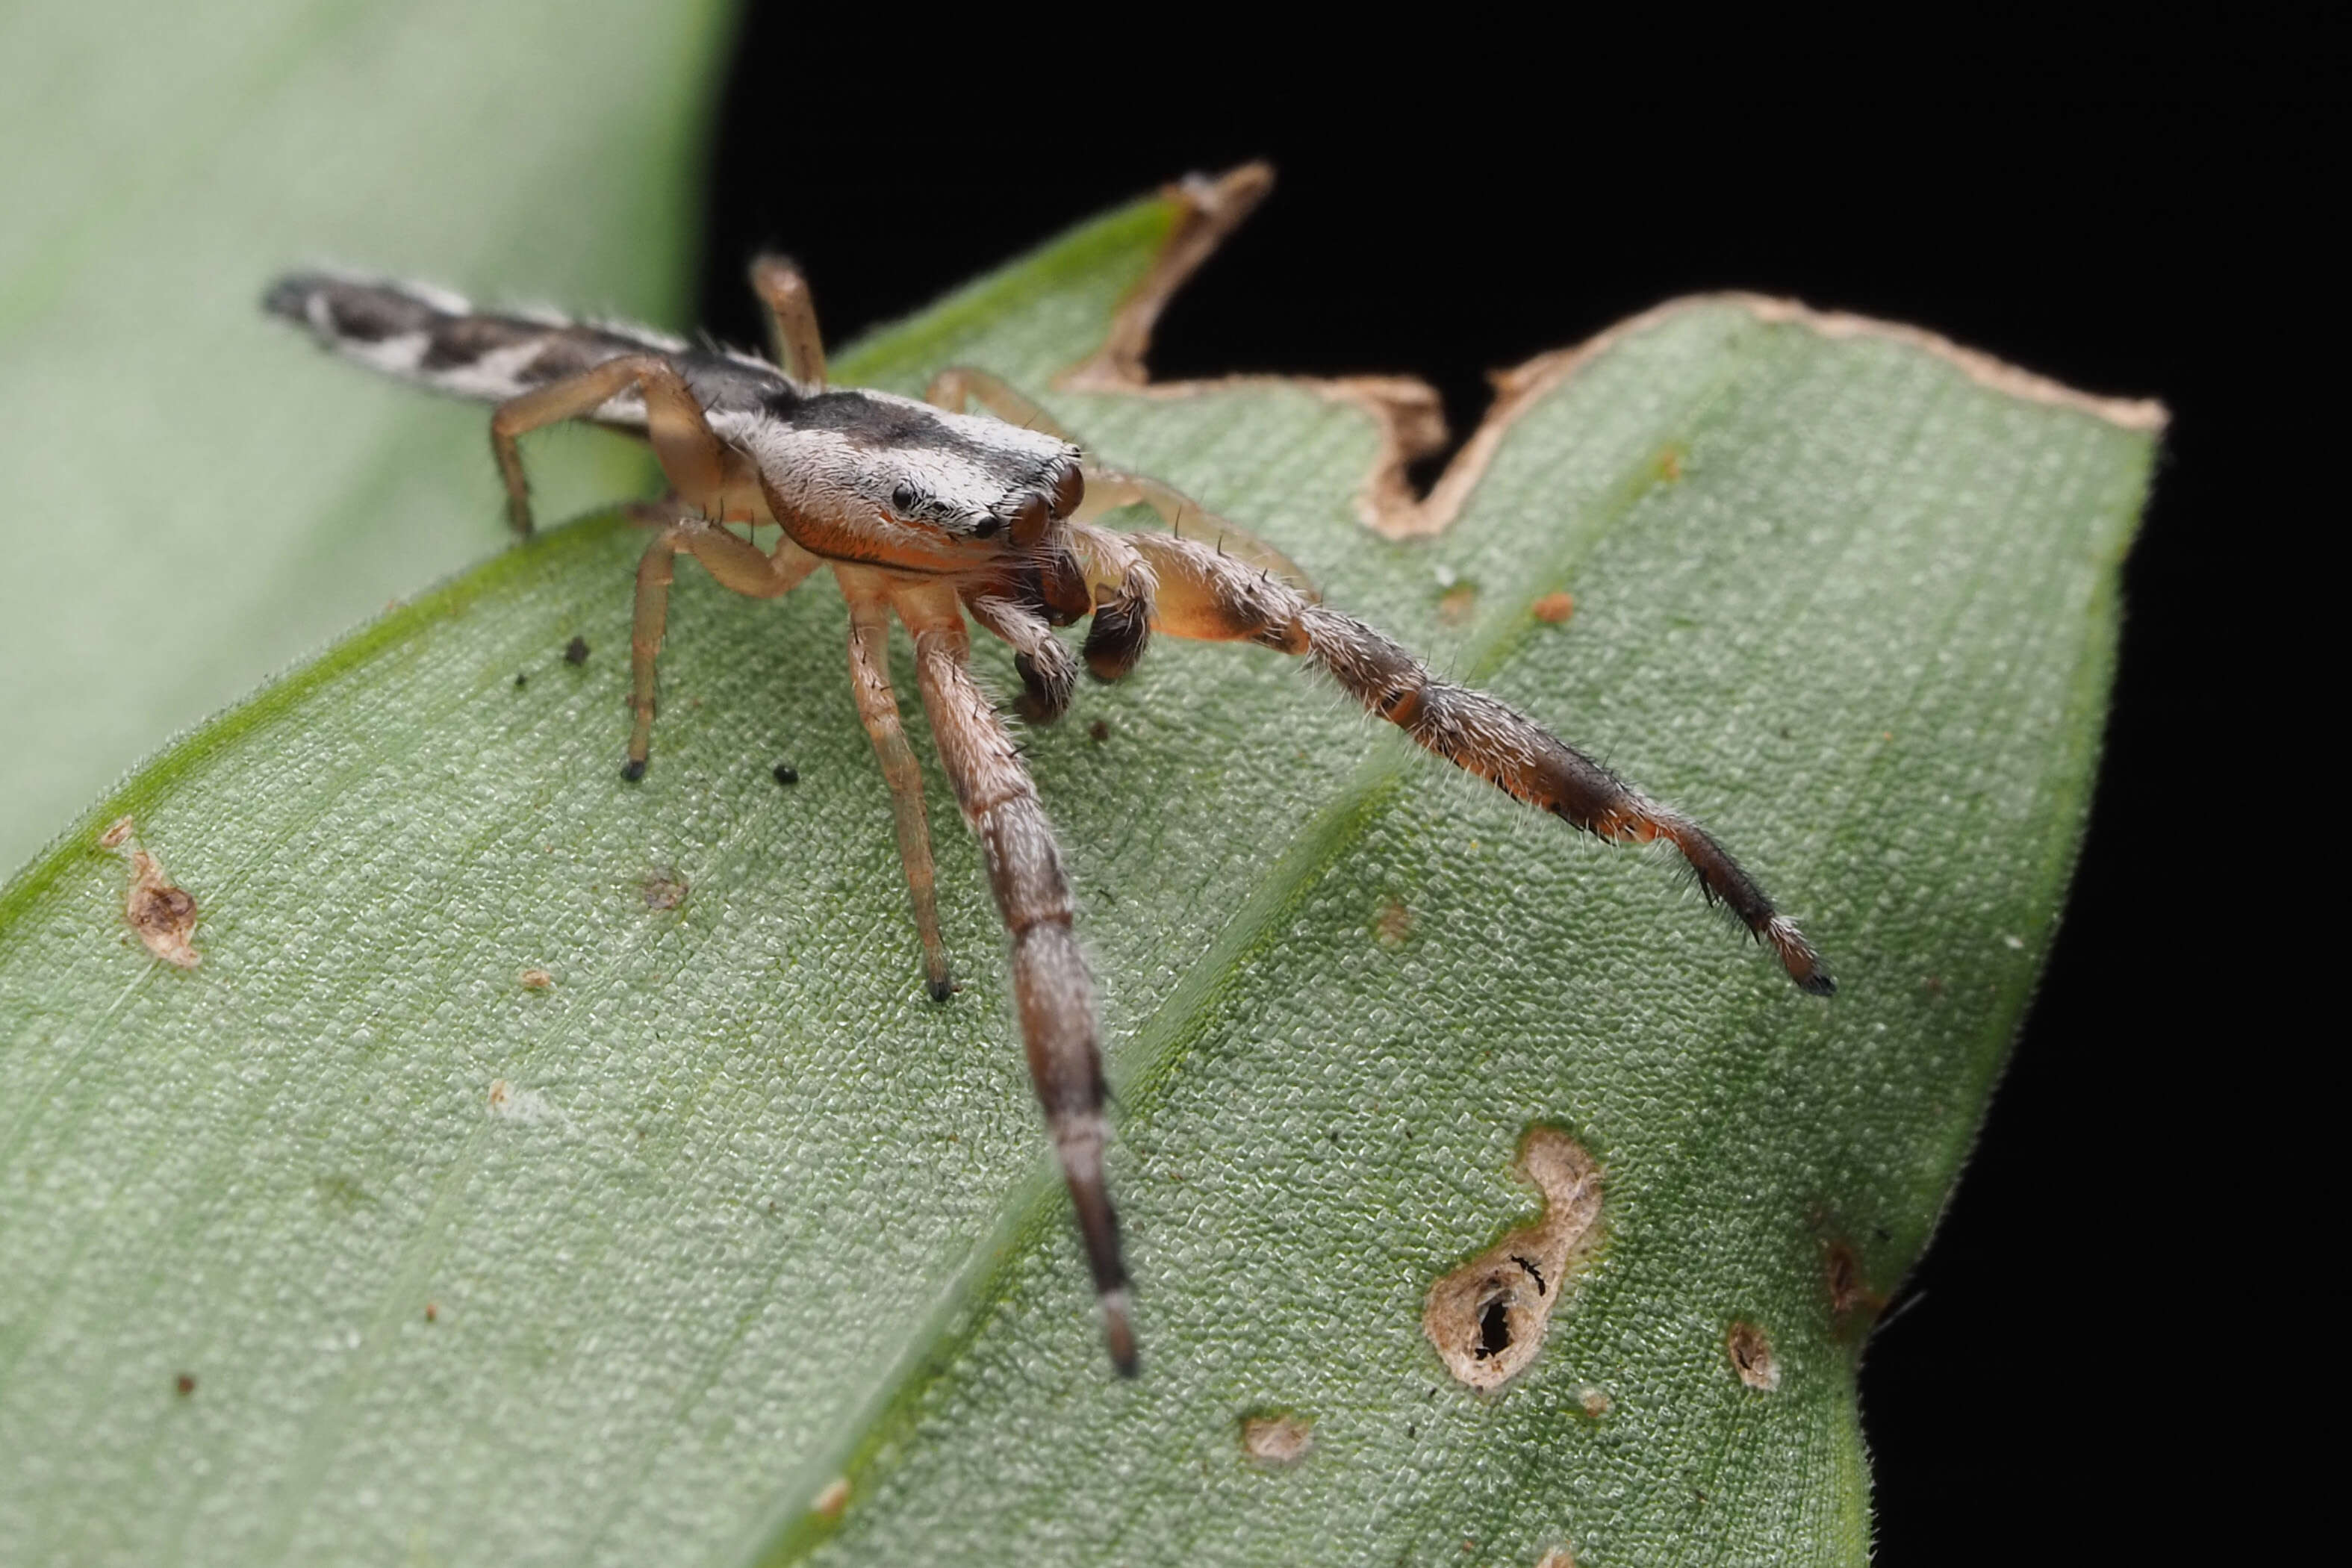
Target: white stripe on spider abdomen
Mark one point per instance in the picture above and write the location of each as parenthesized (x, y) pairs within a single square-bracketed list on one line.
[(434, 339)]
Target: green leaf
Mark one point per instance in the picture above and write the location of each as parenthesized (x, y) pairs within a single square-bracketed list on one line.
[(647, 1264), (193, 504)]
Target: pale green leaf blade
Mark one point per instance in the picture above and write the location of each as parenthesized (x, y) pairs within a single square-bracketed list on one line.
[(192, 503), (730, 1213)]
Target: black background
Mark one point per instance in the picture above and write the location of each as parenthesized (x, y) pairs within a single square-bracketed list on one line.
[(2023, 1398)]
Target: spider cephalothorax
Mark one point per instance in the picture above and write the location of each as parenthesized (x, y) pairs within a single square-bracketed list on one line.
[(941, 518)]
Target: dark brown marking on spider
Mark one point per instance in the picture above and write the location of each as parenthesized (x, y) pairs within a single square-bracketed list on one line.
[(1750, 1352), (575, 652), (1116, 638), (1484, 1320)]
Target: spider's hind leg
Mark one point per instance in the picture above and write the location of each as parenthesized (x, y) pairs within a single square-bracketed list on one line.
[(1206, 595), (692, 458), (737, 565)]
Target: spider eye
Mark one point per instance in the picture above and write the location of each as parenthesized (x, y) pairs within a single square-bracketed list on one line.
[(905, 498)]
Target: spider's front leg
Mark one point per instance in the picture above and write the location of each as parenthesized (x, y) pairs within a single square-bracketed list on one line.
[(1203, 594), (1050, 983)]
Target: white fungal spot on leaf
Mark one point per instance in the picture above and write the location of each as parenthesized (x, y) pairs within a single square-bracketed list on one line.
[(1277, 1440), (510, 1103)]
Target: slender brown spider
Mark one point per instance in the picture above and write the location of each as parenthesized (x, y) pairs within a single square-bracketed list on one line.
[(936, 516)]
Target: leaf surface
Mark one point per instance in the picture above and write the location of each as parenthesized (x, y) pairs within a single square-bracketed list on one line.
[(193, 504), (645, 1264)]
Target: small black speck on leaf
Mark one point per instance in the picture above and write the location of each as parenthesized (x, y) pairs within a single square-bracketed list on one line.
[(522, 680), (786, 774), (575, 652), (1098, 732)]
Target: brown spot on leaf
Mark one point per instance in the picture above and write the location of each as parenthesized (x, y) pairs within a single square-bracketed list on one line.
[(1752, 1356), (162, 913), (1670, 464), (1098, 732), (1595, 1402), (1277, 1439), (575, 652), (537, 980), (431, 1313), (185, 1382), (1487, 1318), (1853, 1305), (663, 889), (1554, 608), (1458, 604), (1392, 925), (830, 1501), (1558, 1557)]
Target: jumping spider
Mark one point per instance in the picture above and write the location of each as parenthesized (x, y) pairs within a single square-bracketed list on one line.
[(939, 516)]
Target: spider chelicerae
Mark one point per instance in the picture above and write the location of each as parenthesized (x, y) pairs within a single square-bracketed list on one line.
[(943, 519)]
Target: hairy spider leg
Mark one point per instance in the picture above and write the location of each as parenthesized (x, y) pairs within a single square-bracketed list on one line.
[(1204, 595), (694, 459), (869, 593), (738, 566), (1050, 981), (791, 320)]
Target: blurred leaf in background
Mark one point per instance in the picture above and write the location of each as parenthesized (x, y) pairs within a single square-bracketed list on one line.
[(190, 497)]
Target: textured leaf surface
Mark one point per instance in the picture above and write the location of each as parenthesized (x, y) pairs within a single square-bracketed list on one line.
[(170, 536), (638, 1267)]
